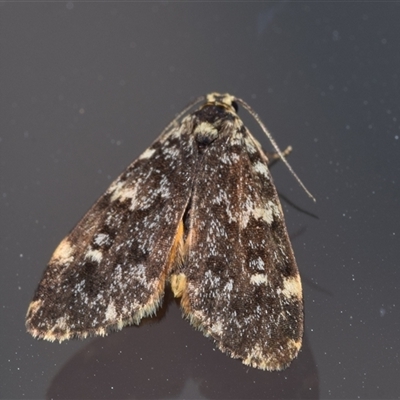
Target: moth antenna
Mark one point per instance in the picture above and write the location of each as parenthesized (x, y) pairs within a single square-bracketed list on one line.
[(183, 112), (272, 140)]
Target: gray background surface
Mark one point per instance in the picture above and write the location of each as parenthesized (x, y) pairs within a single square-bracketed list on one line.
[(86, 87)]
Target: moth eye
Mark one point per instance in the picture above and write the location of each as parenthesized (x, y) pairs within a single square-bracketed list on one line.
[(235, 106)]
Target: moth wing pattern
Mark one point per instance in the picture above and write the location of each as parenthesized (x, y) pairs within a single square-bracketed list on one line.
[(111, 269), (241, 283)]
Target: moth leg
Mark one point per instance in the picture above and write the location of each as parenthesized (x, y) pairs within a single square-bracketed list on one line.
[(273, 157)]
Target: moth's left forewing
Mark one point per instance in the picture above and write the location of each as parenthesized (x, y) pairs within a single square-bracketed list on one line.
[(243, 287), (111, 269)]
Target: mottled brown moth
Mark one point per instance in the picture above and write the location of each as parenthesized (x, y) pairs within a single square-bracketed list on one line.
[(198, 210)]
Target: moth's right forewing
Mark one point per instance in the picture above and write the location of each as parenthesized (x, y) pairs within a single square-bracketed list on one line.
[(242, 285)]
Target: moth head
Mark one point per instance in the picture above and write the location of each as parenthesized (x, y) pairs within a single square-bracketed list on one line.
[(225, 100)]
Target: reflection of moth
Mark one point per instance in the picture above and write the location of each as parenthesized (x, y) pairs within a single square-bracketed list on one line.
[(197, 209)]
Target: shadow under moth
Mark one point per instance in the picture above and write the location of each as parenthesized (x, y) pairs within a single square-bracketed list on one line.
[(198, 210)]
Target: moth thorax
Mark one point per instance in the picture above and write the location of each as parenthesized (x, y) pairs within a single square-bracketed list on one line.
[(205, 133)]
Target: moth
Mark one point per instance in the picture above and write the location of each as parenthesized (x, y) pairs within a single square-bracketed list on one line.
[(198, 210)]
